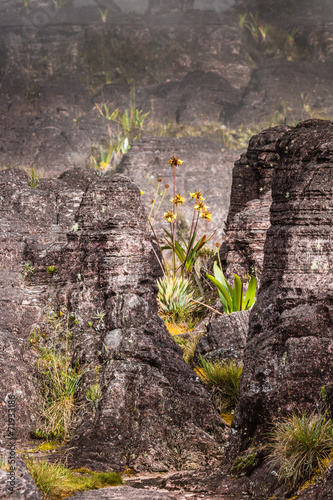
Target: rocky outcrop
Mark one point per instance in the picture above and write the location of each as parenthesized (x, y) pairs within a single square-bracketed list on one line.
[(290, 343), (248, 219), (205, 168), (225, 338), (154, 413), (21, 483)]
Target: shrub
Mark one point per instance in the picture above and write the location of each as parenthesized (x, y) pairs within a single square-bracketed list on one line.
[(175, 298), (59, 382), (222, 377), (300, 444)]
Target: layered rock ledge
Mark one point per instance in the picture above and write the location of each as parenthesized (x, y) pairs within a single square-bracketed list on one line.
[(288, 355)]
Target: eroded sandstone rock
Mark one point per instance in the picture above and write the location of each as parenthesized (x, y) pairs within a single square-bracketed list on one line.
[(225, 338), (288, 356), (123, 493), (248, 219), (154, 412)]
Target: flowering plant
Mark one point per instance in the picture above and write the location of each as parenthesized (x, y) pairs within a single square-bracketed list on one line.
[(186, 250)]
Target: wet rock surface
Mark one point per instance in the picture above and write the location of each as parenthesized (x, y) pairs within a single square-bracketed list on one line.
[(191, 64), (154, 413), (289, 349)]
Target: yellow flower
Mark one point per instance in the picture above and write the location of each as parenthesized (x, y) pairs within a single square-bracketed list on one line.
[(206, 215), (142, 192), (169, 216), (103, 165), (179, 200), (174, 161), (200, 207), (197, 195)]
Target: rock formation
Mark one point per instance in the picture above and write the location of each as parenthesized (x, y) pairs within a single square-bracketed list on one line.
[(154, 413), (248, 219), (190, 67), (288, 356), (169, 6), (224, 338)]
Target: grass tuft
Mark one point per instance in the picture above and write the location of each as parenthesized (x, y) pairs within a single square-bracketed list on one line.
[(222, 377), (58, 376), (300, 445), (55, 481)]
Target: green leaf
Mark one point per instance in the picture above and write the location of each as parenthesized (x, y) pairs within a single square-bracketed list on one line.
[(224, 295), (237, 294), (102, 154), (218, 273), (250, 296), (179, 252)]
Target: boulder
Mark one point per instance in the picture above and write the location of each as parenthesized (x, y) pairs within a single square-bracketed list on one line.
[(154, 412), (288, 355), (225, 338)]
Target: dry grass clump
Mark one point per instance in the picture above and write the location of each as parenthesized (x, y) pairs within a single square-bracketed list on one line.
[(300, 445)]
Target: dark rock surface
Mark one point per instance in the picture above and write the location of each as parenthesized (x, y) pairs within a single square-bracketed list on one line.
[(205, 168), (225, 338), (248, 219), (23, 486), (288, 355), (154, 413), (323, 490)]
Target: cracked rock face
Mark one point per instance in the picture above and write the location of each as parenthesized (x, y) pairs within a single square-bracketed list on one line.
[(288, 356), (154, 413)]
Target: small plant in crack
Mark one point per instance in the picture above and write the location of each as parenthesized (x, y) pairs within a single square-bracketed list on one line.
[(100, 315), (28, 270)]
